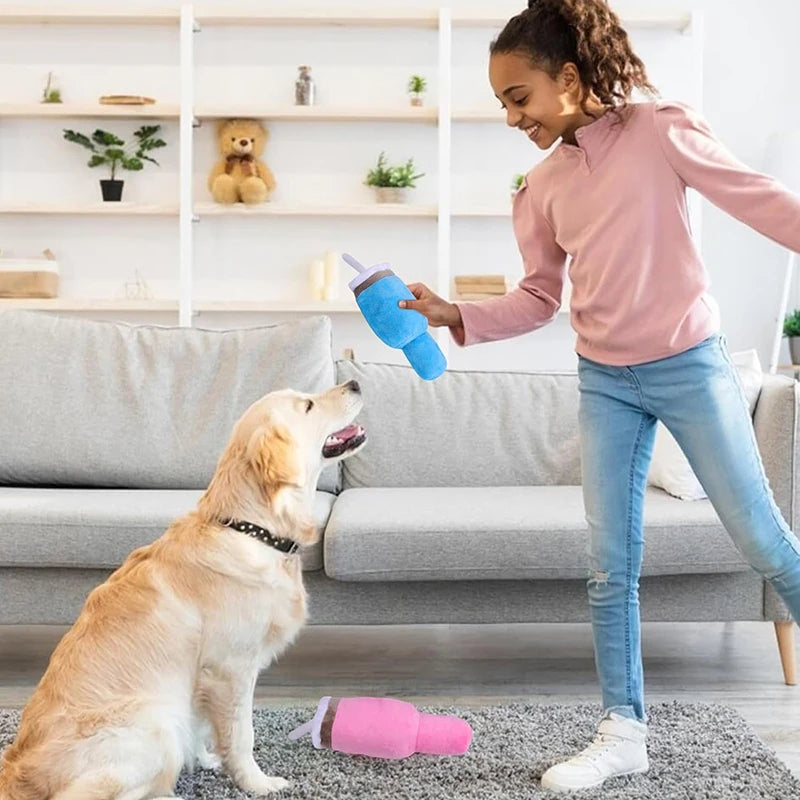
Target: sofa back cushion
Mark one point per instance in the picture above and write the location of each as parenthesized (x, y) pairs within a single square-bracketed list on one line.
[(104, 404), (464, 428)]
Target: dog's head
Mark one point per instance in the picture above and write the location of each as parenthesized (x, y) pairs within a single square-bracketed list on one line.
[(277, 450), (290, 436)]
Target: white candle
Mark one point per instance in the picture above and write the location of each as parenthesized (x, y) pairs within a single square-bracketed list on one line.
[(331, 275), (317, 279)]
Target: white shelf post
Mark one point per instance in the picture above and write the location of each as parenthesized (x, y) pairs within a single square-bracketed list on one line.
[(444, 152), (186, 162), (782, 310)]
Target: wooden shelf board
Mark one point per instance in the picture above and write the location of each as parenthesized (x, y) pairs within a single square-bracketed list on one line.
[(479, 115), (278, 306), (153, 111), (279, 209), (240, 210), (323, 114), (482, 212), (87, 304), (81, 209), (220, 210), (673, 22), (88, 14), (342, 16)]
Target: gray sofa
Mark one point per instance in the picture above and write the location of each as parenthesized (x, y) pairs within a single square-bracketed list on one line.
[(464, 507)]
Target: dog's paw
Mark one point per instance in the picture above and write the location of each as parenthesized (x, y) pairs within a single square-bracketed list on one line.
[(265, 785)]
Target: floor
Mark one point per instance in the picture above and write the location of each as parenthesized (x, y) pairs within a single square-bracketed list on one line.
[(732, 663)]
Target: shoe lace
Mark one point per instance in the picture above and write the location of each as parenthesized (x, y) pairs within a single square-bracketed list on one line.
[(601, 744)]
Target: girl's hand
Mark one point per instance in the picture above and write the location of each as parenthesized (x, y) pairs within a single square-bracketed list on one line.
[(437, 310)]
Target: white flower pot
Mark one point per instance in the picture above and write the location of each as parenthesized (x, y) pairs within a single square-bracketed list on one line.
[(390, 194), (794, 349)]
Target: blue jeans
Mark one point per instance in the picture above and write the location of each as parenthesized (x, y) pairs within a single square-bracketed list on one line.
[(698, 396)]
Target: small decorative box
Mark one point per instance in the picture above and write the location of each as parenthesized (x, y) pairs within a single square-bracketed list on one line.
[(29, 277)]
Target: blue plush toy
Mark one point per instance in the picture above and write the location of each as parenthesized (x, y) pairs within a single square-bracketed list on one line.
[(378, 290)]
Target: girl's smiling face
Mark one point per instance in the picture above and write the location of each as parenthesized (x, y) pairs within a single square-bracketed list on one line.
[(544, 108)]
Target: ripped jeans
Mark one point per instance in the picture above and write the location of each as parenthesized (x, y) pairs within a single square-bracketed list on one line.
[(698, 396)]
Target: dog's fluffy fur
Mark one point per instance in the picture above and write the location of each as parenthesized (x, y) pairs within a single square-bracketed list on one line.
[(158, 671)]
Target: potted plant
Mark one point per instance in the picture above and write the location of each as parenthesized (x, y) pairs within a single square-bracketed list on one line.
[(516, 184), (791, 330), (50, 95), (391, 183), (107, 148), (416, 87)]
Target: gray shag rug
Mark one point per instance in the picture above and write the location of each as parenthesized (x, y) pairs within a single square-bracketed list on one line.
[(697, 752)]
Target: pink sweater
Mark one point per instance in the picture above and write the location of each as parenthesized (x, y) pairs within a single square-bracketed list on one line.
[(616, 204)]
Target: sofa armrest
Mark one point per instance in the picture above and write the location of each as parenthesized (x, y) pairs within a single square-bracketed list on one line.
[(776, 426)]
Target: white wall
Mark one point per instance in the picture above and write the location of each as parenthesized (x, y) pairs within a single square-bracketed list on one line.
[(749, 85)]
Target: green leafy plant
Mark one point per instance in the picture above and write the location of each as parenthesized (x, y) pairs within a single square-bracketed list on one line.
[(108, 148), (50, 95), (416, 85), (516, 184), (399, 176), (791, 325)]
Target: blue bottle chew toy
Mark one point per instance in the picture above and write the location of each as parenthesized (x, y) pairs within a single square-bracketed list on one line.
[(377, 290)]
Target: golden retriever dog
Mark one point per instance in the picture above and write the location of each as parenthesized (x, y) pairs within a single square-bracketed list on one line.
[(159, 669)]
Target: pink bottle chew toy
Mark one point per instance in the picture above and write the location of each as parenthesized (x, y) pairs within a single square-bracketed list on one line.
[(383, 728)]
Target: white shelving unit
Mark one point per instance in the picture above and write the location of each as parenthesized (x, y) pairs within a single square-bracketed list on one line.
[(191, 20)]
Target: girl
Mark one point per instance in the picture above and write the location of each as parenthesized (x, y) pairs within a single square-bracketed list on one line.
[(611, 195)]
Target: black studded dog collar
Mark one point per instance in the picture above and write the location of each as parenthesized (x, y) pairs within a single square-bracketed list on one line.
[(288, 546)]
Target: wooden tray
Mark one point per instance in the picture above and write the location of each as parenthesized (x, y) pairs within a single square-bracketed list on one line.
[(126, 100)]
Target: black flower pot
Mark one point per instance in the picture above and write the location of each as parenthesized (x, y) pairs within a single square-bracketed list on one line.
[(112, 190)]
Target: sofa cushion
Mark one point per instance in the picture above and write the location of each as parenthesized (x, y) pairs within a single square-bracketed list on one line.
[(97, 528), (104, 404), (464, 428), (506, 532)]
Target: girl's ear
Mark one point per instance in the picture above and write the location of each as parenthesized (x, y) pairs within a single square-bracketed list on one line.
[(569, 78)]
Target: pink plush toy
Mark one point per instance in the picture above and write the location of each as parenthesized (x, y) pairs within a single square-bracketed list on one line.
[(383, 728)]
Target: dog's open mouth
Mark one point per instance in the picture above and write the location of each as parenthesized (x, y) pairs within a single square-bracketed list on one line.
[(341, 441)]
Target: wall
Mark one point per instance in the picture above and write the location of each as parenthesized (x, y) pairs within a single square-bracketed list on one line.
[(751, 58)]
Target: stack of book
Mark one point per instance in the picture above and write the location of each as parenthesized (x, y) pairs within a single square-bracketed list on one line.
[(478, 287)]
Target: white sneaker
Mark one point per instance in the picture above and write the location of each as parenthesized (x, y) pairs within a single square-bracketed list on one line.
[(618, 749)]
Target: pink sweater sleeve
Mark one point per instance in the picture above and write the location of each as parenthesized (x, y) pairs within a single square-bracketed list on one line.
[(703, 163), (536, 299)]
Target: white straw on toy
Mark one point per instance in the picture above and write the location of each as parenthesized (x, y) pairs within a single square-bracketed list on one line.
[(302, 730), (348, 259)]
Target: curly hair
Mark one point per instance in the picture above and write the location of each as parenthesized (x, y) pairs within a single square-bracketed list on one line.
[(588, 34)]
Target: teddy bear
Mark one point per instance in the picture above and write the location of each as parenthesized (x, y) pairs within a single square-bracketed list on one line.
[(240, 174)]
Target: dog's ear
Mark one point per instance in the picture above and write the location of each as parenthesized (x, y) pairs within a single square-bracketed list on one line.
[(273, 453)]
